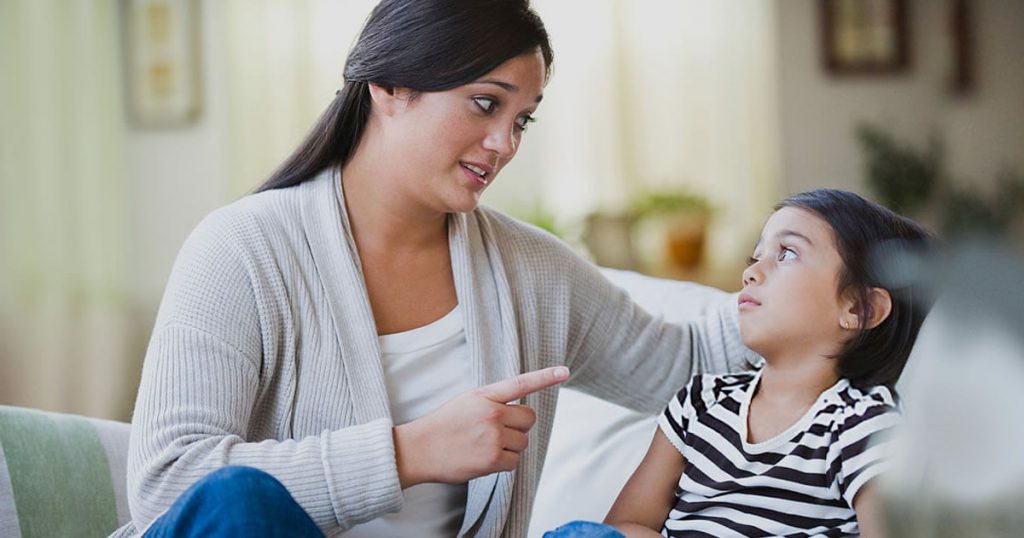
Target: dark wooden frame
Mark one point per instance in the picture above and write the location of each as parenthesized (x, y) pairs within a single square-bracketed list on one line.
[(899, 61)]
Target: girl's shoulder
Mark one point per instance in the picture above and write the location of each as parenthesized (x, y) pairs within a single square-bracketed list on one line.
[(858, 399), (704, 391), (853, 407)]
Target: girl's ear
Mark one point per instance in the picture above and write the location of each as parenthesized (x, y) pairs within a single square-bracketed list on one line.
[(387, 100), (880, 303)]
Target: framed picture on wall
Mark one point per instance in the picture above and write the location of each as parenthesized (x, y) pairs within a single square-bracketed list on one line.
[(865, 36), (161, 57)]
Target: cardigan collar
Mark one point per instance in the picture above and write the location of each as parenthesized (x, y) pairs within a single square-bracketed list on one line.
[(482, 289)]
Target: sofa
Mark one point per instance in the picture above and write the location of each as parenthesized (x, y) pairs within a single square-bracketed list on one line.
[(64, 475)]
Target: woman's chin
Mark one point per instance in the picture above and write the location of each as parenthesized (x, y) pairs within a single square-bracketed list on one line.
[(464, 204)]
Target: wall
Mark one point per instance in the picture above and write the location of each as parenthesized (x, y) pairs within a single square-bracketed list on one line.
[(177, 175), (983, 132)]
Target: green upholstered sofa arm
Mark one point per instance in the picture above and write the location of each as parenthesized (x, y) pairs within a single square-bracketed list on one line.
[(61, 475)]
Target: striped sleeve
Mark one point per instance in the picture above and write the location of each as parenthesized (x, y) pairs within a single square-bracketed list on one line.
[(675, 419), (861, 444)]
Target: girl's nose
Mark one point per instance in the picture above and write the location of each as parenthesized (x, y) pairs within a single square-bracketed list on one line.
[(750, 275)]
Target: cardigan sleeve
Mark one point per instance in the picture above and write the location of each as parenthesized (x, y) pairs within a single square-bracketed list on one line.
[(621, 353), (200, 385)]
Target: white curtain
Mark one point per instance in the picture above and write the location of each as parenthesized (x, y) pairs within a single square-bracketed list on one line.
[(63, 343)]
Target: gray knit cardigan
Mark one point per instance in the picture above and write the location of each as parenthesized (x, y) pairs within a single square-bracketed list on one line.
[(265, 354)]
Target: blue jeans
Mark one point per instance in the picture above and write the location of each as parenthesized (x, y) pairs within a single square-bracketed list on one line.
[(584, 529), (235, 501)]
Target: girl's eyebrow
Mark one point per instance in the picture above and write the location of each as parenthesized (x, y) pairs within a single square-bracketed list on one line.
[(787, 233), (798, 235), (511, 88)]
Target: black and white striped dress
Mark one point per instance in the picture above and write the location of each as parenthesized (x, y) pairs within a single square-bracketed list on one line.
[(802, 482)]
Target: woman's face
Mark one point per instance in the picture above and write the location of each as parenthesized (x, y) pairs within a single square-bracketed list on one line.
[(790, 302), (447, 147)]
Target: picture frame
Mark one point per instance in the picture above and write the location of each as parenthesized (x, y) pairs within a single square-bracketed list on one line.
[(865, 37), (161, 62)]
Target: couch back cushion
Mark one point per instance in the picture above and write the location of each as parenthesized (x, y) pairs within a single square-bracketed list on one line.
[(61, 475)]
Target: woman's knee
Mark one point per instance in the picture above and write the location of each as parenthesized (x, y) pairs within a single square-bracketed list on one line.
[(235, 501), (243, 492), (248, 482)]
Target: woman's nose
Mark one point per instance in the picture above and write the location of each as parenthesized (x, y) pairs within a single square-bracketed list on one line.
[(502, 141)]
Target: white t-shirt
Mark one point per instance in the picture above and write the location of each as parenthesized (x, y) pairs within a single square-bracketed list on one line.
[(423, 369)]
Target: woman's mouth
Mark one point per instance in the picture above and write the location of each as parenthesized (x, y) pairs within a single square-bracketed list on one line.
[(480, 173)]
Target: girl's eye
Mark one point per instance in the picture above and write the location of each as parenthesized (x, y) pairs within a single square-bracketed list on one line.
[(751, 261), (485, 103), (786, 254), (522, 122)]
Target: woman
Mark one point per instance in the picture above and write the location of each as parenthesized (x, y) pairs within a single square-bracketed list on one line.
[(358, 328)]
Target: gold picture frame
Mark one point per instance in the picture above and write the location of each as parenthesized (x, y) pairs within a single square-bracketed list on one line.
[(161, 60), (865, 36)]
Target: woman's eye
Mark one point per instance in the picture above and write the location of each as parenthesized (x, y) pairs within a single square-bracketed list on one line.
[(522, 122), (751, 261), (485, 103), (786, 254)]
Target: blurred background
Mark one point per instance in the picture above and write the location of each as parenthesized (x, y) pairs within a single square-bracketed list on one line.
[(668, 130)]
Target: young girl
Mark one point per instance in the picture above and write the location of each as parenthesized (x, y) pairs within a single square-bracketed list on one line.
[(792, 448)]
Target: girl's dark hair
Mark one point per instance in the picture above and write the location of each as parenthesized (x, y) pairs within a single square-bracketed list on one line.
[(870, 238), (422, 45)]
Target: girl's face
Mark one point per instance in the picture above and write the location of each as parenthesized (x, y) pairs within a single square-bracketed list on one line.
[(447, 147), (790, 303)]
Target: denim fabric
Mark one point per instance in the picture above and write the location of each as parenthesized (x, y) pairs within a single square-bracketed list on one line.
[(235, 501), (584, 529)]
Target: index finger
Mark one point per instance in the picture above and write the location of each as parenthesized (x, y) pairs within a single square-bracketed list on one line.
[(514, 388)]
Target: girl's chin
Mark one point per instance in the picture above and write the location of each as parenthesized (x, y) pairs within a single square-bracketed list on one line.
[(753, 342)]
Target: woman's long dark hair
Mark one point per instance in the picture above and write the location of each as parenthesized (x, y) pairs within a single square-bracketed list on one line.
[(422, 45)]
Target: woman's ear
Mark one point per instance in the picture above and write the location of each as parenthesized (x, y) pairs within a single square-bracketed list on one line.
[(387, 100), (880, 303)]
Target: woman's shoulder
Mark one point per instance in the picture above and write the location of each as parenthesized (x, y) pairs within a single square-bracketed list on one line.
[(535, 257), (524, 237), (252, 217)]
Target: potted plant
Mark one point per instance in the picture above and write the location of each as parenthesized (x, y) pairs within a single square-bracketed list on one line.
[(680, 218)]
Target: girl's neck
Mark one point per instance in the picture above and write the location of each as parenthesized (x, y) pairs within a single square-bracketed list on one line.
[(796, 380)]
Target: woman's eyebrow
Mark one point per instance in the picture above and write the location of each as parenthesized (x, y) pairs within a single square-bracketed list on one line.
[(511, 88)]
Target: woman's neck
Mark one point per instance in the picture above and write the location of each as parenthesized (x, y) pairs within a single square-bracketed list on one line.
[(381, 217)]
